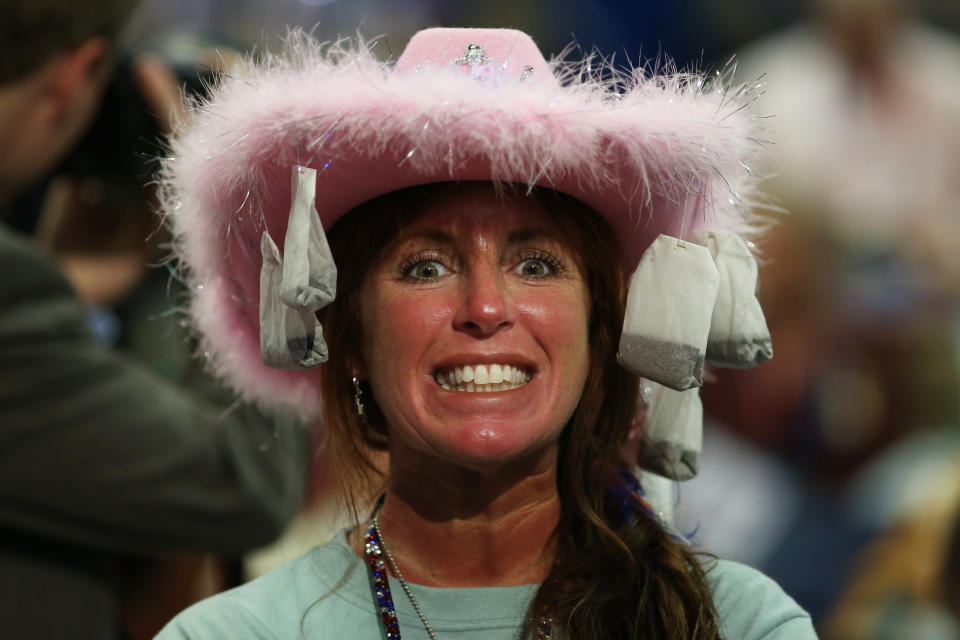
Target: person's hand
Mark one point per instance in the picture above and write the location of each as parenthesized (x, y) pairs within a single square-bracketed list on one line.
[(101, 275), (160, 90), (102, 250)]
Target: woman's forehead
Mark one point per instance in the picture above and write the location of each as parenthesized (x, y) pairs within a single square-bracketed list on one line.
[(468, 209)]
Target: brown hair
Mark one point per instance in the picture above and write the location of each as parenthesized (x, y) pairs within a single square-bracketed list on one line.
[(34, 31), (613, 577)]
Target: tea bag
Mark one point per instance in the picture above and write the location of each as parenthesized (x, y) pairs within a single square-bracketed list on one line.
[(294, 287), (669, 305), (738, 337), (309, 274), (673, 432), (290, 337)]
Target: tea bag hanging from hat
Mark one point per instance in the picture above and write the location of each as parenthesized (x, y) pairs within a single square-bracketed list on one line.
[(669, 306), (294, 287), (739, 337), (673, 431), (290, 337), (309, 274)]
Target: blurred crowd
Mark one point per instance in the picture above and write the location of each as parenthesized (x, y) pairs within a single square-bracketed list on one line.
[(834, 468)]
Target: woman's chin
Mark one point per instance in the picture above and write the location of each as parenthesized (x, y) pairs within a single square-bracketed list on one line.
[(495, 446)]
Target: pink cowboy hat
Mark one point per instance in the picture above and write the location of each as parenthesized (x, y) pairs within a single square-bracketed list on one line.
[(653, 155)]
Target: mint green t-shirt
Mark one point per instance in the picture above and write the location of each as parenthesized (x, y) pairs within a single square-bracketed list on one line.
[(326, 595)]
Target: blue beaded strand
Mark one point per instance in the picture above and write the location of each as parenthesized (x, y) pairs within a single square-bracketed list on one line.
[(381, 586)]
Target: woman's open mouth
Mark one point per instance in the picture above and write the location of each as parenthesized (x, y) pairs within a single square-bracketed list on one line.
[(482, 377)]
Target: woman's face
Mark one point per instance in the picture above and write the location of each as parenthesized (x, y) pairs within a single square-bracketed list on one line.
[(477, 288)]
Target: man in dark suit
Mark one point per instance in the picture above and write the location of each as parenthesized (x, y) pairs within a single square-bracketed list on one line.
[(100, 458)]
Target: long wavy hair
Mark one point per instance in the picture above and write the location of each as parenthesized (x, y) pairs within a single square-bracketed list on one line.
[(615, 575)]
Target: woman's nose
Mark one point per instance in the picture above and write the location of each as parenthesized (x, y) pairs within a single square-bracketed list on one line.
[(485, 305)]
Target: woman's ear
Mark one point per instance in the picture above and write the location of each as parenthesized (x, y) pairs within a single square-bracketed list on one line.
[(354, 359), (357, 367)]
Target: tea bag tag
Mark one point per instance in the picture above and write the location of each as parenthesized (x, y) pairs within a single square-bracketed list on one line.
[(673, 432), (669, 306), (295, 286), (739, 337)]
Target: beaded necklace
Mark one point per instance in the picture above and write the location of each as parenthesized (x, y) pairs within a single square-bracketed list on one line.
[(375, 551)]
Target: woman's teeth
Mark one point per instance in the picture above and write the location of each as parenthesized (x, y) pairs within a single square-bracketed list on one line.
[(482, 377)]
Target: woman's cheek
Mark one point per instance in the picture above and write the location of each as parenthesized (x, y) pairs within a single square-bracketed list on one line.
[(560, 312), (418, 312), (407, 322)]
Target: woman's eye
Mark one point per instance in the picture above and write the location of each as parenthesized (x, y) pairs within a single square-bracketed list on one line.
[(427, 270), (534, 268)]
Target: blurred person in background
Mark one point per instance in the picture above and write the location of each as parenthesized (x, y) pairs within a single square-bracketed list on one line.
[(869, 142), (862, 296), (104, 460), (907, 582)]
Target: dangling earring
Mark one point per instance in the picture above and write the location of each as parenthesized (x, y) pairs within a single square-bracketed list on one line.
[(358, 400)]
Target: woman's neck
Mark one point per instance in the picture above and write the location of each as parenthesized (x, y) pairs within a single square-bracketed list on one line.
[(457, 528)]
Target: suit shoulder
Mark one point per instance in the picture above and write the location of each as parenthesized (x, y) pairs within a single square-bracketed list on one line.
[(26, 267)]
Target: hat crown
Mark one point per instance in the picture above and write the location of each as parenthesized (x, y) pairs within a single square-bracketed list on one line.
[(512, 52)]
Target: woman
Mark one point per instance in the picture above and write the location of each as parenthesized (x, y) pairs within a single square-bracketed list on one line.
[(482, 222)]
